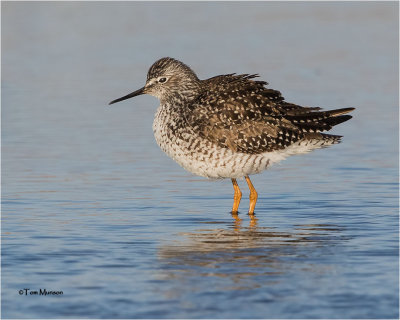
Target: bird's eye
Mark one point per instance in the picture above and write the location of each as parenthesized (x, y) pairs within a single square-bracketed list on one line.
[(162, 80)]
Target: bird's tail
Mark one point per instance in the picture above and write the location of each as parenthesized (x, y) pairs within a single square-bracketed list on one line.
[(318, 121)]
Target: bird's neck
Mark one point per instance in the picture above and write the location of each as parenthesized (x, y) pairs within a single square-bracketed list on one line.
[(184, 96)]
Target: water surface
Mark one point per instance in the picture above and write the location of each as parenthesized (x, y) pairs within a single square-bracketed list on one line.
[(93, 208)]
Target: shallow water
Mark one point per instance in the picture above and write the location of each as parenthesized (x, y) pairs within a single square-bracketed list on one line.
[(91, 206)]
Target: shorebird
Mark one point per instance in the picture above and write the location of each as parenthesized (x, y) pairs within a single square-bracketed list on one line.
[(231, 126)]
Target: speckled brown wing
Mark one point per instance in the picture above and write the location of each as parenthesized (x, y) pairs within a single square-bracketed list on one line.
[(239, 113)]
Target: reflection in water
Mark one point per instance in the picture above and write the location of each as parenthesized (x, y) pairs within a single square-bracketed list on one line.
[(241, 257), (238, 221)]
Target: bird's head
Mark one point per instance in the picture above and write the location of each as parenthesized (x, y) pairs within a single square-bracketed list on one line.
[(168, 79)]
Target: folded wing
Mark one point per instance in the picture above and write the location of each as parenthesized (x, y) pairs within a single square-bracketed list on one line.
[(241, 114)]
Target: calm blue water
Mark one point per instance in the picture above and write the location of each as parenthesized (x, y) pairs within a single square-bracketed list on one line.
[(91, 206)]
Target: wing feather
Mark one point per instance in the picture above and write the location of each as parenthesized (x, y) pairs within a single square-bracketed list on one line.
[(239, 113)]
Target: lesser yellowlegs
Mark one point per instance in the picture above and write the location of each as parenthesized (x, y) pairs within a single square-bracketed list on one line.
[(231, 126)]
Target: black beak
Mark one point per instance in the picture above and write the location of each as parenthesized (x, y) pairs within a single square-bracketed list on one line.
[(131, 95)]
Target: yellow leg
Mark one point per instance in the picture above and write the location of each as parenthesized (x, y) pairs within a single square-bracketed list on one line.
[(253, 196), (236, 197)]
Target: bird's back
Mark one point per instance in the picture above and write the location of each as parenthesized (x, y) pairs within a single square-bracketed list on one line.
[(239, 113)]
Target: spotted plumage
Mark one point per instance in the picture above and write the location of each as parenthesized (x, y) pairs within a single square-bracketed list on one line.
[(230, 126)]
